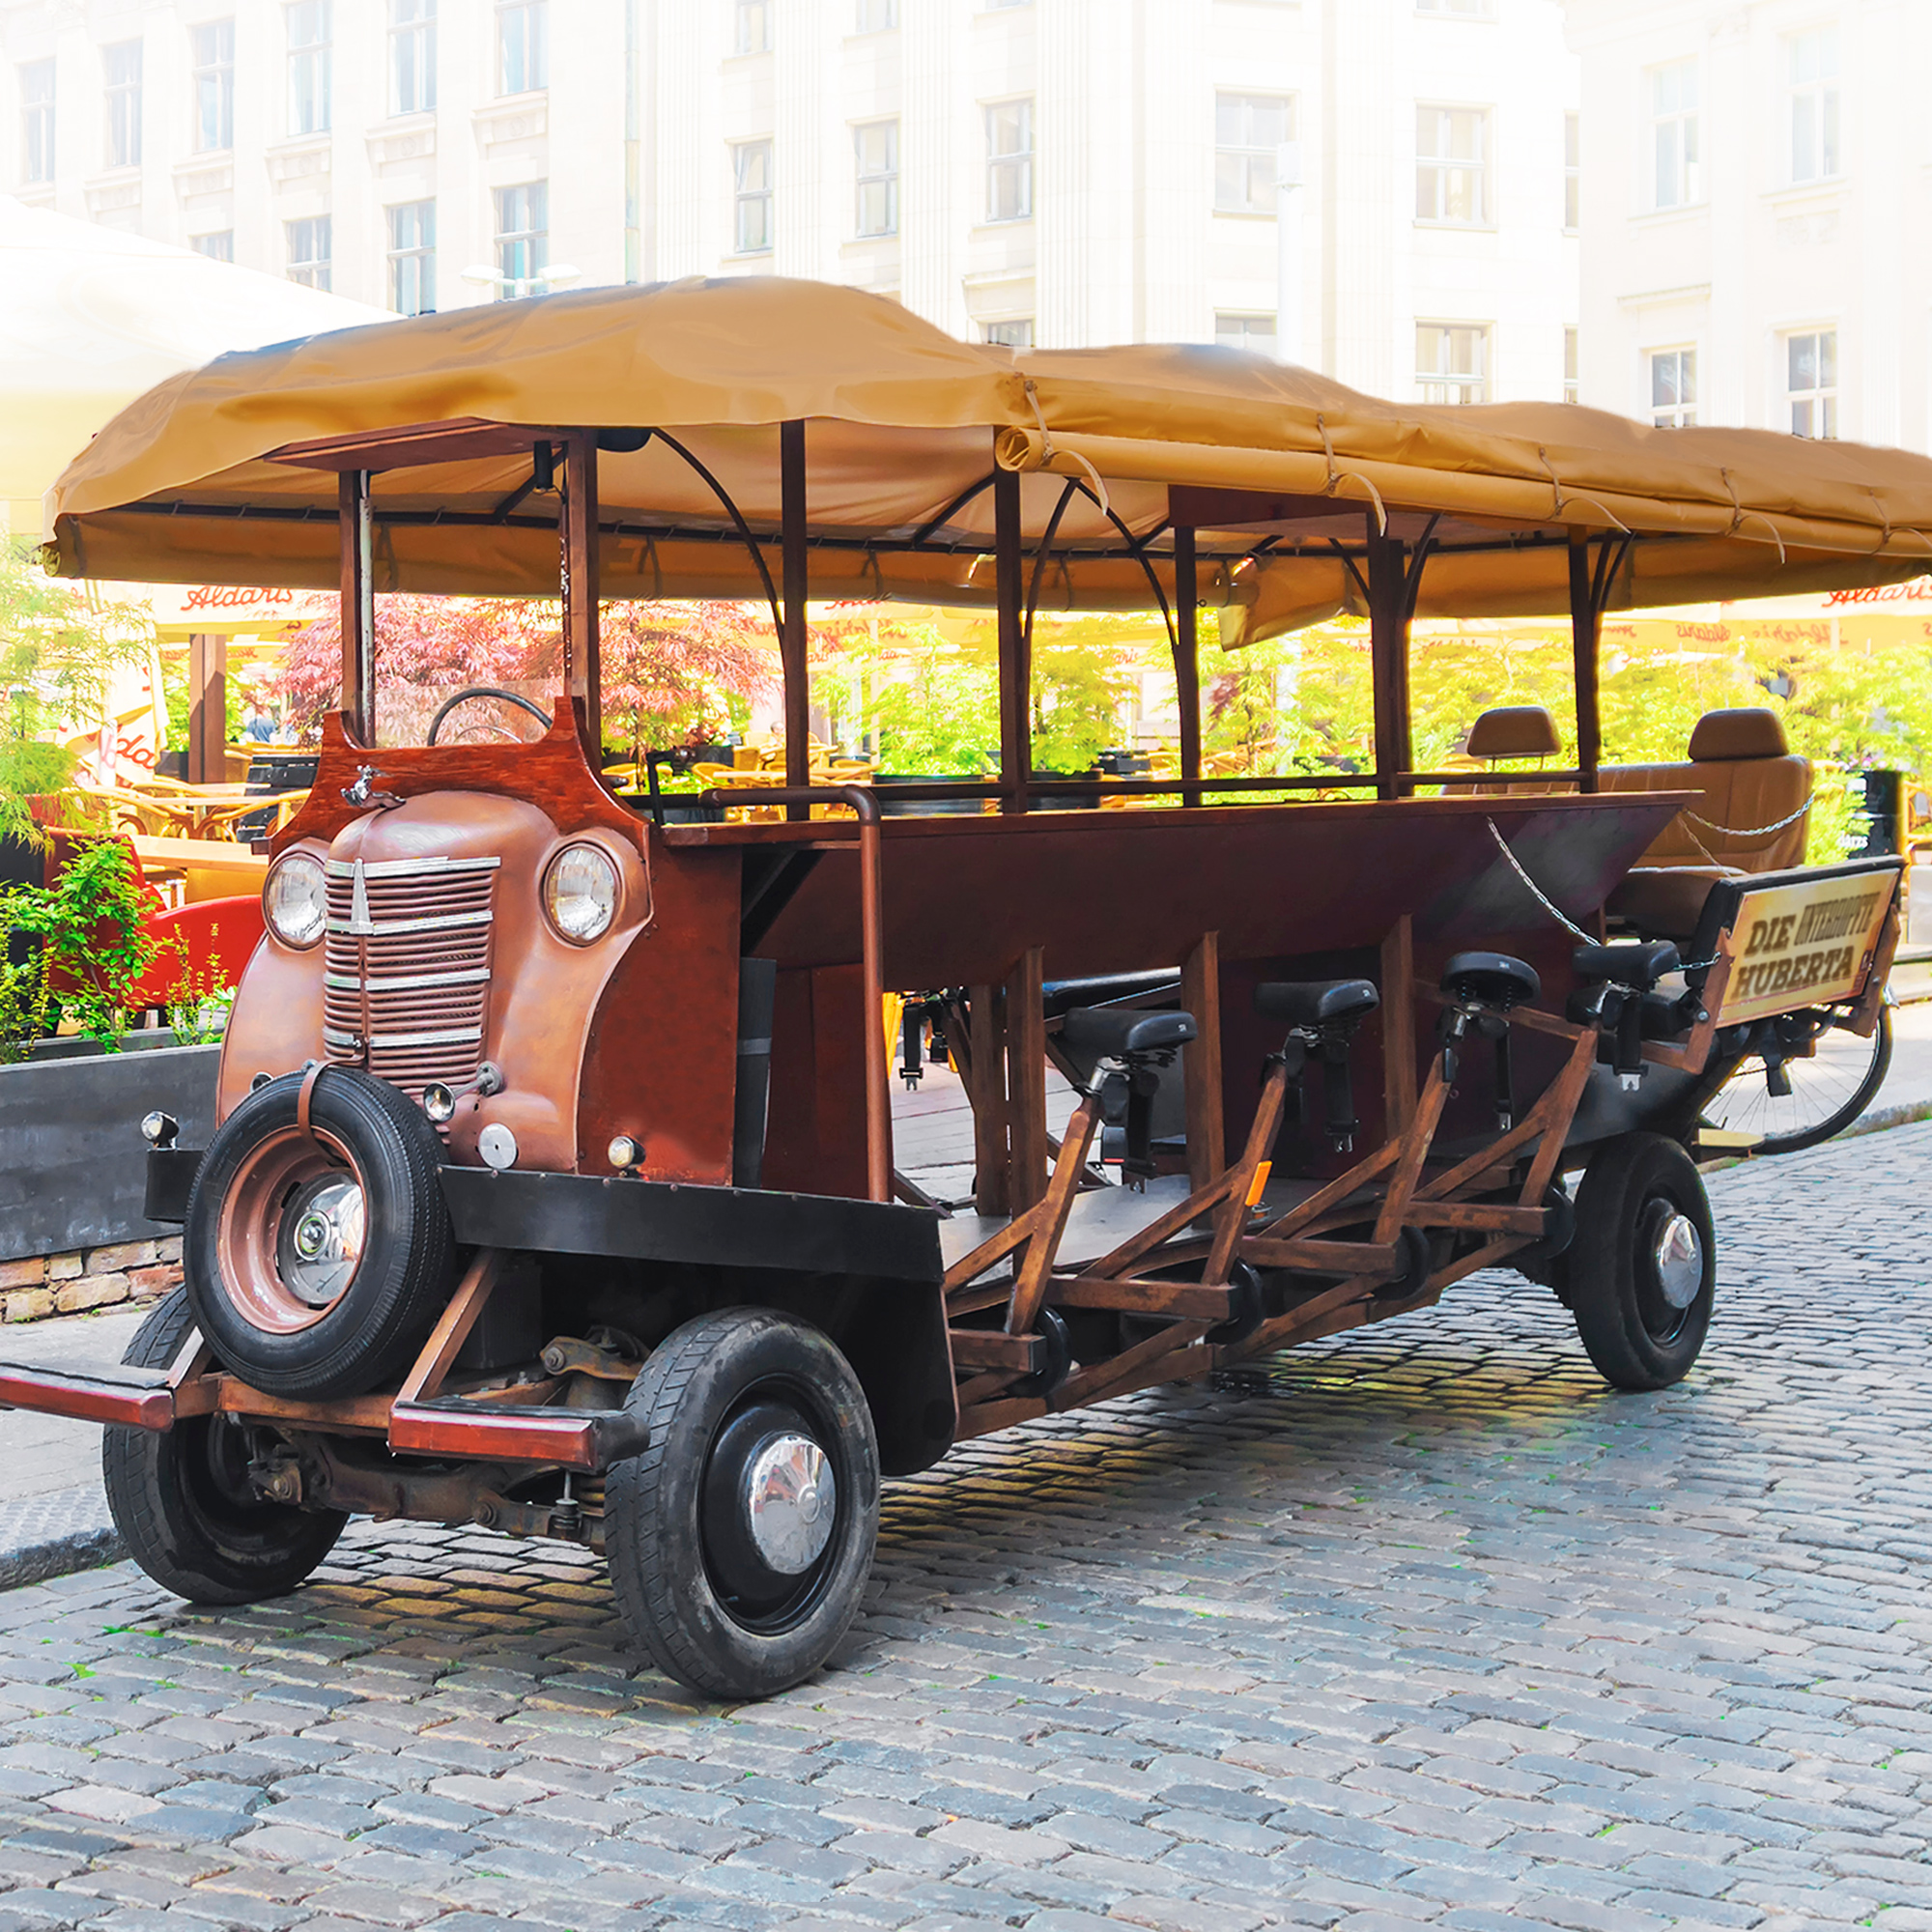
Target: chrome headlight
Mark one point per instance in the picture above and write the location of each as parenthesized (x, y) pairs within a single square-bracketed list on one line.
[(580, 892), (294, 899)]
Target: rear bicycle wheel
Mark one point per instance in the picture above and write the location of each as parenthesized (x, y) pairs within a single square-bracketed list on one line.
[(1827, 1089)]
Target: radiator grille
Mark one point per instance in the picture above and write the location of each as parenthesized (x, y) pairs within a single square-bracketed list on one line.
[(406, 967)]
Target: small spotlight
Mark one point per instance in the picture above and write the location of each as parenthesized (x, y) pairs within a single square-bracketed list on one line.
[(625, 1152), (439, 1102), (159, 1130)]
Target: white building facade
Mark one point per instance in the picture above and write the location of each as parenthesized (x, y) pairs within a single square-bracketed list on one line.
[(1753, 173), (1062, 173)]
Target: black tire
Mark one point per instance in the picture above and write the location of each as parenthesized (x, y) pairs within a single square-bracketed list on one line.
[(689, 1577), (1829, 1090), (359, 1334), (1631, 1309), (181, 1500)]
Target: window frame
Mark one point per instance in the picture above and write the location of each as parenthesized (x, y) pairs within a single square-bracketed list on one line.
[(1572, 362), (1682, 414), (1255, 156), (1823, 395), (37, 126), (750, 28), (1443, 168), (224, 237), (747, 200), (528, 244), (1008, 332), (211, 72), (1463, 387), (1248, 339), (887, 9), (886, 177), (121, 99), (526, 50), (1687, 124), (412, 260), (416, 31), (311, 68), (311, 270), (1017, 163), (1823, 93)]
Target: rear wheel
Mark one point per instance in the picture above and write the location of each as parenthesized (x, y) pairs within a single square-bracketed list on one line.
[(1641, 1269), (739, 1542), (1803, 1100), (183, 1501)]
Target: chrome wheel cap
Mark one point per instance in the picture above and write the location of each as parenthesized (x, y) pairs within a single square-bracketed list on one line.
[(1679, 1261), (321, 1240), (790, 1499)]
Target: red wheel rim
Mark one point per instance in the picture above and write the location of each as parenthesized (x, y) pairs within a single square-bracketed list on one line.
[(289, 1239)]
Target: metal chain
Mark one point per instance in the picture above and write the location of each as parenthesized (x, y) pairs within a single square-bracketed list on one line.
[(1753, 831), (1542, 898)]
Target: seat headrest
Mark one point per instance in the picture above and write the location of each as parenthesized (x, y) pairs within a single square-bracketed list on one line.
[(1513, 731), (1751, 731)]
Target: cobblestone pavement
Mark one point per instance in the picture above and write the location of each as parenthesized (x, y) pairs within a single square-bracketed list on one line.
[(1423, 1626)]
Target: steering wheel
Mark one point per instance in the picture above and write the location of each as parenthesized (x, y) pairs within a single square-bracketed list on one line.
[(468, 692)]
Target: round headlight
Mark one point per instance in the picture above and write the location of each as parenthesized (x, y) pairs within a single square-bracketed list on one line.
[(294, 899), (580, 892)]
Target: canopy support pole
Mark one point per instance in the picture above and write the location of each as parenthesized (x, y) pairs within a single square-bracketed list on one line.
[(583, 670), (1589, 599), (1015, 665), (792, 652), (1387, 558), (207, 762), (359, 605), (1186, 660)]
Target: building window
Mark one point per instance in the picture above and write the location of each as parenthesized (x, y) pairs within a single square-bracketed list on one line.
[(213, 48), (877, 152), (1673, 387), (411, 59), (1452, 167), (877, 16), (522, 45), (752, 189), (217, 248), (1452, 362), (311, 81), (37, 120), (309, 247), (1015, 333), (1255, 333), (1570, 386), (413, 258), (1811, 383), (1811, 62), (1248, 128), (1009, 161), (1000, 6), (121, 66), (753, 27), (523, 237), (1572, 173), (1460, 9), (1675, 158)]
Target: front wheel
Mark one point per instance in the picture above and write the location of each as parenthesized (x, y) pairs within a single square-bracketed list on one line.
[(739, 1542), (183, 1501), (1643, 1263)]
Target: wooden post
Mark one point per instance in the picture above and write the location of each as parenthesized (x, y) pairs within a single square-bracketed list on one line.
[(1201, 1062), (1585, 624), (581, 667), (1025, 1081), (357, 527), (207, 762), (989, 1052), (1388, 651), (1398, 1011), (792, 649), (1187, 664), (1015, 663)]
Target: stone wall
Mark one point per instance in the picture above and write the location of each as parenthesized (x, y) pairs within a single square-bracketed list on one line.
[(127, 1272)]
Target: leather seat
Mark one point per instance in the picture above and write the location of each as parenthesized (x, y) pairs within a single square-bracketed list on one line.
[(1314, 1004), (1120, 1034), (1512, 731), (1490, 979), (1639, 963)]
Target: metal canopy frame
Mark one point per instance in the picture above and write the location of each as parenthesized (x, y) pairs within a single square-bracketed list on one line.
[(1386, 570)]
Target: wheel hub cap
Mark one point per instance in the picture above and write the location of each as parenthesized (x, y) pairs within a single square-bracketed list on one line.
[(322, 1239), (791, 1499), (1679, 1261)]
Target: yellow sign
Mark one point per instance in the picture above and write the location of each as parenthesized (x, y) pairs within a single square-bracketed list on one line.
[(1805, 945)]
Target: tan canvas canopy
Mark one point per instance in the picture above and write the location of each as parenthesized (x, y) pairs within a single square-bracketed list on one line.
[(1280, 480)]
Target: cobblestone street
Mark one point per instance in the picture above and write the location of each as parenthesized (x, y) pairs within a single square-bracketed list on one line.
[(1426, 1626)]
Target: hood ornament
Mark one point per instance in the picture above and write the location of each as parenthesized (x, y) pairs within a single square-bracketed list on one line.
[(362, 792)]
